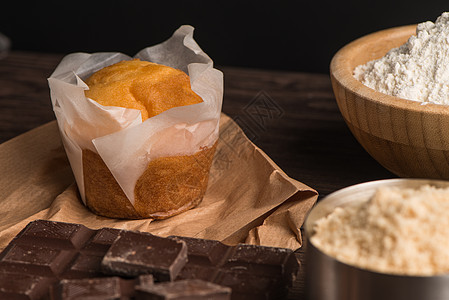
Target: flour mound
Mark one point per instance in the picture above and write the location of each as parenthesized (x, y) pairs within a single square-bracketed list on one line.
[(418, 70), (398, 231)]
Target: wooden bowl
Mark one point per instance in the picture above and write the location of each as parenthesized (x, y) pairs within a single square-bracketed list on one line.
[(407, 137)]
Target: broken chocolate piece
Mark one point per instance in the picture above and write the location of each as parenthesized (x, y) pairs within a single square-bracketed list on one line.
[(24, 286), (265, 261), (94, 288), (246, 285), (134, 254), (183, 289)]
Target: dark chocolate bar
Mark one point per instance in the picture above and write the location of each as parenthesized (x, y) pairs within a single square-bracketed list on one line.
[(70, 259)]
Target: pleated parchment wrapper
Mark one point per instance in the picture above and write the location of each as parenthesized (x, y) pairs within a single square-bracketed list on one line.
[(126, 144)]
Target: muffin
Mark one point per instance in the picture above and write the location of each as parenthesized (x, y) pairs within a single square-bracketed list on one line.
[(169, 185), (149, 87)]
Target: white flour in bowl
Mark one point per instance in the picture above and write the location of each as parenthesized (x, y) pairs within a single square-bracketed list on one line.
[(398, 231), (417, 70)]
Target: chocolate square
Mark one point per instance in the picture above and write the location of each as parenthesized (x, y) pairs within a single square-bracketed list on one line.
[(54, 234), (24, 286), (136, 253), (94, 288), (44, 261)]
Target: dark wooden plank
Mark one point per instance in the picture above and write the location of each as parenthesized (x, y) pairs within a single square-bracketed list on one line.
[(24, 94)]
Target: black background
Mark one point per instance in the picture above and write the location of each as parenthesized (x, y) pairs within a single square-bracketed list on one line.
[(281, 35)]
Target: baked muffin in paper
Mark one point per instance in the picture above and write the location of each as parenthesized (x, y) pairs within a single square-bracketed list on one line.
[(126, 168)]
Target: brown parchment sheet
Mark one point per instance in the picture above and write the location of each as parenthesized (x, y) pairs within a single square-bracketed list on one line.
[(249, 199)]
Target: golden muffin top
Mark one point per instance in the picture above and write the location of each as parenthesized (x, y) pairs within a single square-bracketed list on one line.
[(143, 85)]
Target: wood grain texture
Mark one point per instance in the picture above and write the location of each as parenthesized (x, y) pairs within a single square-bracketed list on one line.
[(24, 94), (408, 138), (292, 116)]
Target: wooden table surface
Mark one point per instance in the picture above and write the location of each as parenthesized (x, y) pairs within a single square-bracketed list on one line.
[(293, 117)]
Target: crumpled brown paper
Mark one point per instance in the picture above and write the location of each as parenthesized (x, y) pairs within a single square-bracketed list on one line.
[(249, 198)]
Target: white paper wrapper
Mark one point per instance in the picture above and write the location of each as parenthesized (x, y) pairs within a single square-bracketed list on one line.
[(118, 135)]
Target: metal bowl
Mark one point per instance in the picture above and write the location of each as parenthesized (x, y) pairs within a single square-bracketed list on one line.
[(329, 279)]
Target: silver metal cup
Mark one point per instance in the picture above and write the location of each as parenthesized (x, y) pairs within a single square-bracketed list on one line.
[(330, 279)]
